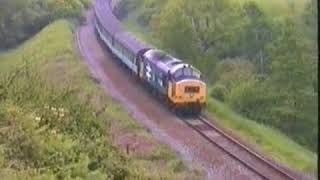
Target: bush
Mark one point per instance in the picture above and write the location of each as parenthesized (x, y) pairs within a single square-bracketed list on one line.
[(252, 100), (51, 134), (231, 72), (219, 92)]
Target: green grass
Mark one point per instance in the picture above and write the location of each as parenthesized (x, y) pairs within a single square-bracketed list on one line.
[(270, 141), (53, 55), (51, 42)]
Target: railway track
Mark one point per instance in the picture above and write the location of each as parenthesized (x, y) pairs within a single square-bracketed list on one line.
[(238, 151)]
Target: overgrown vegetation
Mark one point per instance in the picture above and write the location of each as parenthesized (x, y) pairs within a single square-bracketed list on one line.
[(20, 19), (47, 133), (259, 58), (55, 121)]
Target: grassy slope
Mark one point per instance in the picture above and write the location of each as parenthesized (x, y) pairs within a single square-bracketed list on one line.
[(271, 141), (52, 51)]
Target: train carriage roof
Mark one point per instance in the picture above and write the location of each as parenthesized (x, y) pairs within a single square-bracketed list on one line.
[(130, 42), (106, 17), (110, 22)]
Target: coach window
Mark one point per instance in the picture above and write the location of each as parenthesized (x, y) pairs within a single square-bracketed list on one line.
[(107, 35), (116, 45), (125, 52), (129, 56), (161, 79), (121, 48), (132, 58)]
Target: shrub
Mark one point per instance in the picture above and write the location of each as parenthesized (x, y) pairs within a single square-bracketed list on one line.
[(49, 132), (219, 92), (252, 100), (231, 72)]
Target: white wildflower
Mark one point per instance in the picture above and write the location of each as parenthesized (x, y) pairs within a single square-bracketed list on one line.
[(54, 109), (61, 115), (38, 118)]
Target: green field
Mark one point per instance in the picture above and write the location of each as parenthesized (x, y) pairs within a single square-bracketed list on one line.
[(57, 122)]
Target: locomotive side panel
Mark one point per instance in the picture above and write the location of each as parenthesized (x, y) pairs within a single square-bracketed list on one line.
[(154, 77)]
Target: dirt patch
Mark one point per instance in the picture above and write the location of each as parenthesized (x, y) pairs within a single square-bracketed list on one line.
[(131, 142)]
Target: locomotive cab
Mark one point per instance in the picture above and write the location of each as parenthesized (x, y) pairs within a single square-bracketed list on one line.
[(187, 90), (179, 83)]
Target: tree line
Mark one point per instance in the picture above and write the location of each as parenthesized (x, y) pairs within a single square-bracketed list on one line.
[(20, 19)]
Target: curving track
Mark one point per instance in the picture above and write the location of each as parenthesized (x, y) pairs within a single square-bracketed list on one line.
[(238, 151)]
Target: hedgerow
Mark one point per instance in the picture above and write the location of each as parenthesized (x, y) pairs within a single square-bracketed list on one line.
[(48, 133)]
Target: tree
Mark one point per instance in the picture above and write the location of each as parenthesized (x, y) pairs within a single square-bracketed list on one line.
[(20, 19), (174, 30), (292, 74)]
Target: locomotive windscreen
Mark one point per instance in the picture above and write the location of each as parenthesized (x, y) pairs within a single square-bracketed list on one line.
[(192, 89)]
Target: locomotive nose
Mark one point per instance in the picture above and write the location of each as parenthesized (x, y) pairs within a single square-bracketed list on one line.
[(191, 91)]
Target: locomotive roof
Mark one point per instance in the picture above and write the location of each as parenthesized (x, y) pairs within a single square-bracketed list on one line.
[(163, 60), (166, 62), (179, 66), (158, 56)]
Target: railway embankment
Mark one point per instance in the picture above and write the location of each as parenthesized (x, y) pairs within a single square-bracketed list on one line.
[(56, 121)]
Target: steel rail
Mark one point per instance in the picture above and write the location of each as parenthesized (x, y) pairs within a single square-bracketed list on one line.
[(242, 147)]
